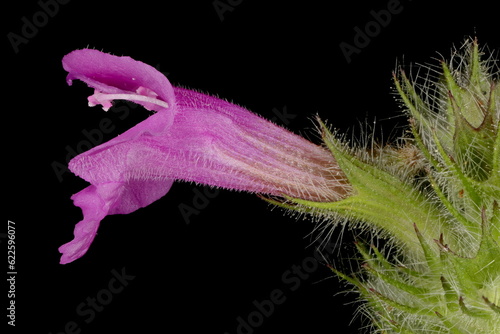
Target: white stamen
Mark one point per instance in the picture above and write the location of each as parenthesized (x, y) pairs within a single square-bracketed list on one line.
[(133, 97)]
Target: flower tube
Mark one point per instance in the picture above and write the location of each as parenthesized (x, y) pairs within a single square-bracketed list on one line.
[(192, 137)]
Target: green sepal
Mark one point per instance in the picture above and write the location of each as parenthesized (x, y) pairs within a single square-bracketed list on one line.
[(433, 262), (474, 129), (471, 312), (450, 295), (493, 306), (452, 328), (411, 289), (401, 307), (382, 200)]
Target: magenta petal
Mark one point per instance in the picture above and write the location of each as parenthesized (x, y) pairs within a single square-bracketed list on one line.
[(95, 206), (218, 143), (118, 75), (214, 142), (195, 138), (98, 201)]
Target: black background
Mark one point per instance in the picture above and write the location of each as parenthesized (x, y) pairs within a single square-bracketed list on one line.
[(264, 55)]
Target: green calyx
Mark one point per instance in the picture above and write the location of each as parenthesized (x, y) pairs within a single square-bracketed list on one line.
[(434, 198), (455, 126), (387, 204)]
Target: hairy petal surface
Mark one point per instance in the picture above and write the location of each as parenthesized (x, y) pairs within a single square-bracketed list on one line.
[(193, 137)]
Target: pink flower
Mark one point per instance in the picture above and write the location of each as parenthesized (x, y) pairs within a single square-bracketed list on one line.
[(191, 137)]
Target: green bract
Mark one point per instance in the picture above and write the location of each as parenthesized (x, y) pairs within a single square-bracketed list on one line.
[(435, 196)]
